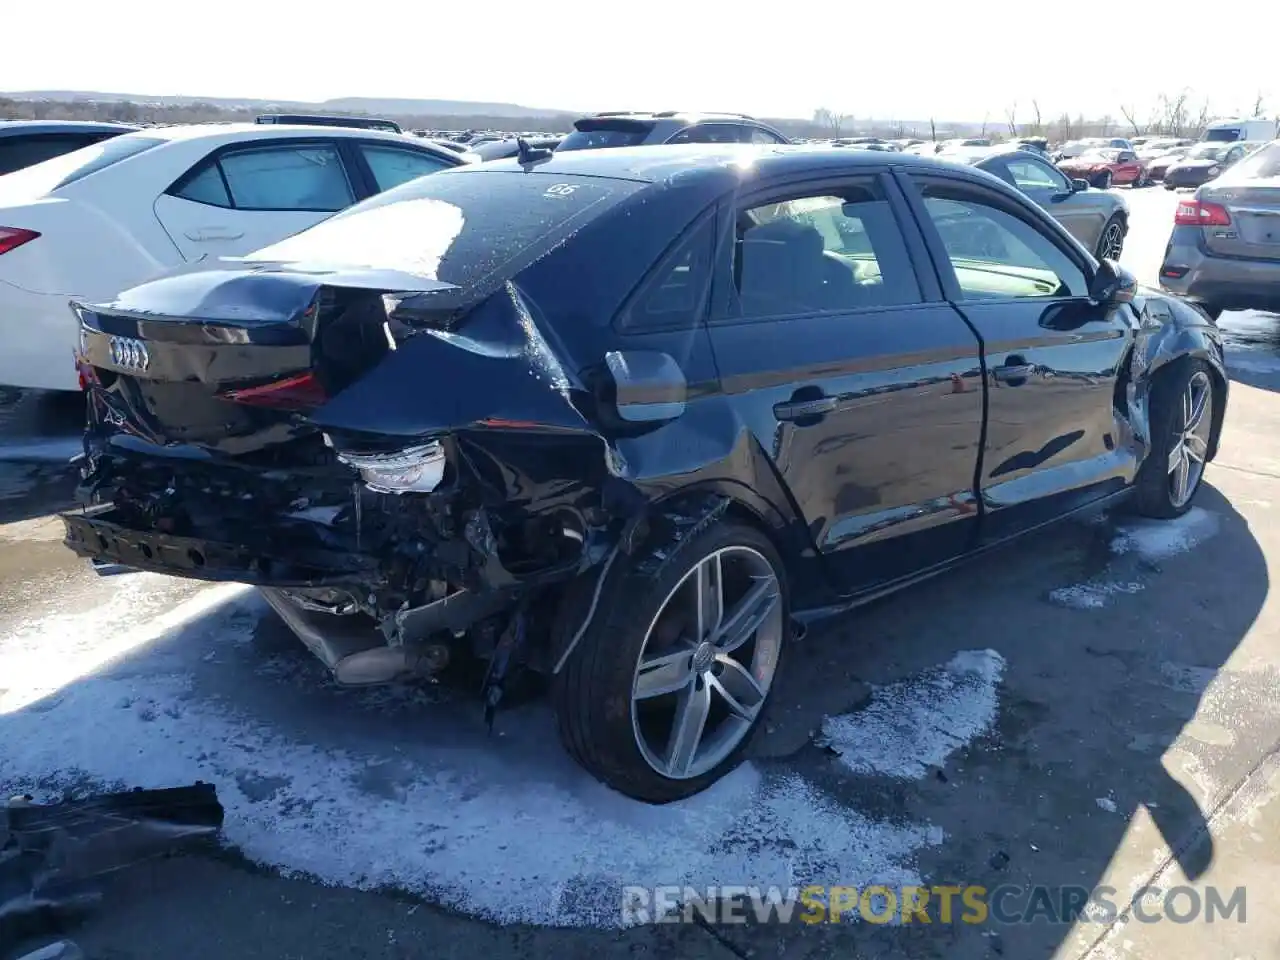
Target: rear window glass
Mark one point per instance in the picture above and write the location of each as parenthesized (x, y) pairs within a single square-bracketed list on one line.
[(460, 227), (1263, 163), (102, 155), (597, 136)]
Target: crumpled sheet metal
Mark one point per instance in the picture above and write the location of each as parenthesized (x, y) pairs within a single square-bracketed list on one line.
[(52, 856)]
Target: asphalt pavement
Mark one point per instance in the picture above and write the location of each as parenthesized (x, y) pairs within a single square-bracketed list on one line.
[(1097, 706)]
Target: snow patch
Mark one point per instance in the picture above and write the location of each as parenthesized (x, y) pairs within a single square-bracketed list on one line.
[(505, 828), (915, 724), (1093, 595), (1160, 539)]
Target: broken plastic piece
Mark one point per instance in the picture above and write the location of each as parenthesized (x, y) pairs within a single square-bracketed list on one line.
[(52, 855)]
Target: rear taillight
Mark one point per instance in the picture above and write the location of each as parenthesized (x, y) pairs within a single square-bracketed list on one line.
[(11, 238), (294, 393), (1198, 213)]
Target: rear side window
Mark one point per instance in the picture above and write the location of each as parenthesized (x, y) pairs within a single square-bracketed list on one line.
[(392, 166), (464, 226), (304, 177), (827, 253), (598, 134), (711, 133), (676, 295)]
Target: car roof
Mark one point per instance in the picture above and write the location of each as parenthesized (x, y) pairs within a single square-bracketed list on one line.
[(13, 128), (234, 131), (710, 161), (686, 116)]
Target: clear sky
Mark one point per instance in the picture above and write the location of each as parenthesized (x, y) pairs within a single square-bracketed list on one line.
[(870, 58)]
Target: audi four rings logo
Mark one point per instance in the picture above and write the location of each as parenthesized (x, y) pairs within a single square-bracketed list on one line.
[(129, 353)]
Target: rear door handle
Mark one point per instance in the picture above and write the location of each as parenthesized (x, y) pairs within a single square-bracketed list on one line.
[(1018, 371), (214, 233), (800, 409)]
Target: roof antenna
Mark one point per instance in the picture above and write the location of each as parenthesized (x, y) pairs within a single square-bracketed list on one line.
[(529, 153)]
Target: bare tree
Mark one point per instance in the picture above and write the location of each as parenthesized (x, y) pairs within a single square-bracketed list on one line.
[(986, 117), (1202, 119), (1258, 106), (1035, 108), (933, 130), (1011, 115), (1107, 123), (1130, 117), (1174, 110)]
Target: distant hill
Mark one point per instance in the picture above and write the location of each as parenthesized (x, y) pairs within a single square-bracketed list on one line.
[(368, 105)]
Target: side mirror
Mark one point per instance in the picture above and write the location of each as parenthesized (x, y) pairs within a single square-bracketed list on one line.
[(1112, 283), (1078, 185), (649, 385)]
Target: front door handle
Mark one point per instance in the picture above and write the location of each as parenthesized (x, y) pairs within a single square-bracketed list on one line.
[(802, 409), (1014, 374)]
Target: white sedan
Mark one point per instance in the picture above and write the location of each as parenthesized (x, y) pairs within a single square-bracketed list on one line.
[(91, 223)]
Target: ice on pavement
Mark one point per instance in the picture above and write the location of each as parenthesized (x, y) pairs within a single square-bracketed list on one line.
[(916, 724), (1161, 539), (328, 783), (1147, 540)]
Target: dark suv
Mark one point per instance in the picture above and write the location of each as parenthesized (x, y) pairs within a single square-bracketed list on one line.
[(628, 129), (24, 143)]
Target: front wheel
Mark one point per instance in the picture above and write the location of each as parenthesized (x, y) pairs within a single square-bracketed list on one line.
[(670, 680), (1181, 421)]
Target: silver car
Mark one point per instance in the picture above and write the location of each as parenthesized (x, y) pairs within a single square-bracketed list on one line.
[(1099, 219), (1224, 252)]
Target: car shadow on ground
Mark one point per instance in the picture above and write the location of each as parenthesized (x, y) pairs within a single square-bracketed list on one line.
[(39, 433), (402, 789), (1106, 711)]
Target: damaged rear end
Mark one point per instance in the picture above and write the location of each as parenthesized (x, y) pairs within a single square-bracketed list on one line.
[(396, 461)]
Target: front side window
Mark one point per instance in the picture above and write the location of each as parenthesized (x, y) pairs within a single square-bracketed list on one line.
[(827, 253), (392, 166), (287, 177), (1029, 175), (997, 255)]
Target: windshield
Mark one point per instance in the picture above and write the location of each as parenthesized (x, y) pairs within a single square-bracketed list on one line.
[(1222, 135), (590, 135), (1104, 155), (459, 227), (1207, 152), (43, 178), (1263, 163)]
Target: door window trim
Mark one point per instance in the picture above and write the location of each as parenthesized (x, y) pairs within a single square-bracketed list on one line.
[(724, 293), (266, 143), (1021, 208)]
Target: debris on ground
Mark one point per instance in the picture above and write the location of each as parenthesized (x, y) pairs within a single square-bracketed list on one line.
[(53, 855)]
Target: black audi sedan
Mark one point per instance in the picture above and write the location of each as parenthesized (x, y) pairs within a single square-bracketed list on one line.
[(629, 418)]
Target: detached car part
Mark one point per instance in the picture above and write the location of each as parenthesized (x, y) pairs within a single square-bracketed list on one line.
[(53, 856)]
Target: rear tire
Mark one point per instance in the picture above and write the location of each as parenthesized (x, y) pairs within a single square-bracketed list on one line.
[(1103, 180), (611, 714), (1169, 186), (1142, 180), (1111, 241), (1181, 423)]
